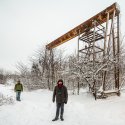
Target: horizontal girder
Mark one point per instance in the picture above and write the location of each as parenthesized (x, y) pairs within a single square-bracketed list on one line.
[(100, 17)]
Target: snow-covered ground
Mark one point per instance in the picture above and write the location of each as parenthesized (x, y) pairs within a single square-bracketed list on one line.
[(36, 108)]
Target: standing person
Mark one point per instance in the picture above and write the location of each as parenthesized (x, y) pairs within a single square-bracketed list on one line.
[(18, 89), (61, 94)]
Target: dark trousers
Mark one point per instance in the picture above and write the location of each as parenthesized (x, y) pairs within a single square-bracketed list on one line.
[(58, 107), (18, 93)]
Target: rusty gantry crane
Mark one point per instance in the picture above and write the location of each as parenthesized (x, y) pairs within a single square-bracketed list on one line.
[(98, 46)]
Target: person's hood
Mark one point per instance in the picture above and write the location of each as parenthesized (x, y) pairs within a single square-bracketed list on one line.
[(60, 80)]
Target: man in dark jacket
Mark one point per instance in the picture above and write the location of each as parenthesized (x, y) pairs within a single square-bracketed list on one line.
[(18, 89), (61, 94)]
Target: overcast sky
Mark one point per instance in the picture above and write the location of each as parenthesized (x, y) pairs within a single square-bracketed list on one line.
[(25, 25)]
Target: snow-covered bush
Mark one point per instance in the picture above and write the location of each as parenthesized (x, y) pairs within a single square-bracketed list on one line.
[(5, 99)]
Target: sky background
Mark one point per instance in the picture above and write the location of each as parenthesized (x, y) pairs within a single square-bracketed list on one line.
[(27, 25)]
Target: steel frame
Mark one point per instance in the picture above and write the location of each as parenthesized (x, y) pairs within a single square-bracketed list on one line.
[(108, 36), (100, 37)]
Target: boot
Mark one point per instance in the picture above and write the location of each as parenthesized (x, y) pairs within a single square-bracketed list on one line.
[(61, 117), (55, 119)]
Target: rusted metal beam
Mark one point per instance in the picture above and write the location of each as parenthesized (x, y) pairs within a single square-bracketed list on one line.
[(118, 51), (100, 17)]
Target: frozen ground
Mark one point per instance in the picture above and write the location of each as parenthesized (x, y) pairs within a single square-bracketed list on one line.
[(36, 108)]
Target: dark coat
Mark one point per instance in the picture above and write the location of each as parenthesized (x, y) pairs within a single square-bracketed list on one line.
[(18, 87), (61, 94)]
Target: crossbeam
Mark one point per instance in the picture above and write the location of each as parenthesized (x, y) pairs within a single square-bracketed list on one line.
[(100, 17), (89, 37)]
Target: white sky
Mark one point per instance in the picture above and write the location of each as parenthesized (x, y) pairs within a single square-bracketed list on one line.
[(25, 25)]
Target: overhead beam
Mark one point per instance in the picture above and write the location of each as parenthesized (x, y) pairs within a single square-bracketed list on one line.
[(100, 17)]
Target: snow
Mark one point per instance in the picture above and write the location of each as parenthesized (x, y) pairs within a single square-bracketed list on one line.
[(36, 108)]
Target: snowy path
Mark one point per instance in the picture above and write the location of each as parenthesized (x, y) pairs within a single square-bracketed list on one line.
[(36, 108)]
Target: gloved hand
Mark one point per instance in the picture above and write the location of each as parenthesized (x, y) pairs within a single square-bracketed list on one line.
[(65, 102), (53, 100)]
